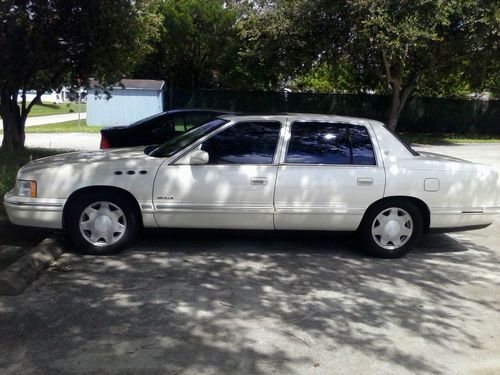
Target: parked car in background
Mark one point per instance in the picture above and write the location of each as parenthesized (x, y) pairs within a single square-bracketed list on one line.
[(156, 129), (286, 172)]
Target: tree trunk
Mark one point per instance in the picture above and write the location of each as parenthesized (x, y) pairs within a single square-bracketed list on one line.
[(13, 122), (395, 106), (398, 100)]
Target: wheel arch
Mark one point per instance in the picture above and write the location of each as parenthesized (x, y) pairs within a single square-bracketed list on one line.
[(420, 204), (101, 189)]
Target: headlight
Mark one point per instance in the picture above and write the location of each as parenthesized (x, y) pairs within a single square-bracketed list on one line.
[(26, 188)]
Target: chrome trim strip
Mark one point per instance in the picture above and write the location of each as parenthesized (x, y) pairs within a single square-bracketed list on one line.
[(492, 208), (198, 208), (320, 210), (31, 204), (263, 209), (466, 211)]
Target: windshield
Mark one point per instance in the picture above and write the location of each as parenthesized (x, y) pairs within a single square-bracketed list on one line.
[(176, 144)]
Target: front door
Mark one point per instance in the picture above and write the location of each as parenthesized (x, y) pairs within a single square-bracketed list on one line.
[(234, 189)]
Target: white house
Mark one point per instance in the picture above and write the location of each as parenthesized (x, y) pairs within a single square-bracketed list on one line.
[(131, 100), (49, 97)]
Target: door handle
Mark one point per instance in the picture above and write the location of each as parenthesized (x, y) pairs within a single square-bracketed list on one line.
[(365, 181), (258, 181)]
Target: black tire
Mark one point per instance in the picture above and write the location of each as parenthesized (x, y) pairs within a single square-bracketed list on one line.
[(373, 246), (129, 217)]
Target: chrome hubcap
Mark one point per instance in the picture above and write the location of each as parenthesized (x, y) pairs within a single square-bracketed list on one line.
[(392, 228), (102, 223)]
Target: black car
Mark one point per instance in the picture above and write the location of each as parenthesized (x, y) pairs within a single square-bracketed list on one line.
[(156, 129)]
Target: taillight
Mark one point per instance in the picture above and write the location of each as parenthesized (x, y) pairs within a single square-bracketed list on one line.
[(104, 142)]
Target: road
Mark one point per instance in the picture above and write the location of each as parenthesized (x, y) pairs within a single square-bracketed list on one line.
[(63, 141), (74, 141), (52, 119), (220, 302)]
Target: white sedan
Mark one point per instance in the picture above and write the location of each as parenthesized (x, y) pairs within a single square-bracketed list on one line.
[(286, 172)]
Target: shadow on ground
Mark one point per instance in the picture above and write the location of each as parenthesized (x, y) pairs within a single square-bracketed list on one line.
[(254, 303)]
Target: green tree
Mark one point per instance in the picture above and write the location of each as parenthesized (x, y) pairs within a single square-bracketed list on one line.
[(393, 45), (45, 44), (196, 43)]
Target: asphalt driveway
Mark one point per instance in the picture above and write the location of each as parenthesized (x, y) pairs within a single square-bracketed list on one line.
[(199, 302)]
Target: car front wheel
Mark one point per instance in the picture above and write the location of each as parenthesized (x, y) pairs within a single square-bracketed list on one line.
[(391, 229), (101, 223)]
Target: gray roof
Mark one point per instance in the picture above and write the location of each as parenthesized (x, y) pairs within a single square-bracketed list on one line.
[(134, 84), (142, 84)]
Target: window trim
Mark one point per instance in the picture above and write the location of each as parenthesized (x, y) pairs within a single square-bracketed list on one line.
[(191, 147), (345, 123)]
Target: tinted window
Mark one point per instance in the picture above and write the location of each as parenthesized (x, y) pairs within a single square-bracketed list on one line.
[(362, 148), (318, 143), (193, 120), (179, 124), (176, 144), (163, 127), (244, 143), (326, 143)]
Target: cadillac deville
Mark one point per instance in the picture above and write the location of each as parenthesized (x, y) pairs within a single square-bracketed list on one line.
[(280, 172)]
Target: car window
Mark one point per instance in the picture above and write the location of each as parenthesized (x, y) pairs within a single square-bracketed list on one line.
[(362, 148), (179, 123), (329, 143), (183, 140), (163, 127), (244, 143), (193, 120), (149, 119)]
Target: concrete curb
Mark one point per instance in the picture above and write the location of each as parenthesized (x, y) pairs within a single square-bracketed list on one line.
[(20, 274), (8, 253)]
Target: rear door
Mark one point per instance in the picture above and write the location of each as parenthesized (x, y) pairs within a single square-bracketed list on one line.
[(329, 174)]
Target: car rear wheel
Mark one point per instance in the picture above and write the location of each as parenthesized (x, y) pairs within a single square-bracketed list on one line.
[(390, 229), (102, 223)]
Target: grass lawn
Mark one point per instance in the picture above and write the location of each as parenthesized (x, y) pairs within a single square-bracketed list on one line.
[(46, 109), (11, 162), (62, 127), (448, 139)]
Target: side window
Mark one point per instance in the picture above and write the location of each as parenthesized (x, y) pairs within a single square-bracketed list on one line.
[(194, 120), (179, 124), (244, 143), (327, 143), (163, 127), (362, 148), (318, 143)]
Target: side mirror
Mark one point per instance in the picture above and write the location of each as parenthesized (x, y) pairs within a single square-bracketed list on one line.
[(198, 157)]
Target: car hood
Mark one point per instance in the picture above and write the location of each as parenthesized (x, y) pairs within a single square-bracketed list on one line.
[(120, 156)]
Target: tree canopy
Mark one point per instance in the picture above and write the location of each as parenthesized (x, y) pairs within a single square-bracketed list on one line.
[(391, 47), (45, 44), (195, 45)]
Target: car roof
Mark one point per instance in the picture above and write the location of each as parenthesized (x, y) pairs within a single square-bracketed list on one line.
[(194, 110), (297, 117)]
